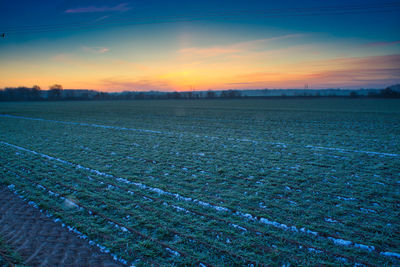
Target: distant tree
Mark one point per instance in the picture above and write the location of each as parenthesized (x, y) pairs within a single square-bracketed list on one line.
[(395, 87), (101, 96), (353, 94), (210, 94), (19, 93), (56, 87), (36, 92), (174, 95), (389, 93), (237, 94), (55, 92), (139, 95), (231, 94), (84, 96), (10, 94)]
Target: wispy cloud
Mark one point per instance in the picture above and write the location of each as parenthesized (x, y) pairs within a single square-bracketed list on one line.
[(238, 83), (93, 9), (261, 43), (142, 84), (208, 51), (102, 18), (385, 61), (70, 60), (235, 48), (355, 78), (60, 57), (130, 65), (97, 50), (355, 72), (374, 44)]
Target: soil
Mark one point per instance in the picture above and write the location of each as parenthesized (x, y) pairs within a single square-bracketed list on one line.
[(42, 242)]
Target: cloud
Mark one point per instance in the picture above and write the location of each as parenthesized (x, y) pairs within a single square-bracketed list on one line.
[(68, 59), (143, 84), (61, 57), (238, 83), (355, 72), (97, 50), (386, 61), (234, 48), (209, 51), (130, 65), (262, 76), (375, 44), (357, 75), (260, 43), (372, 71), (93, 9), (102, 18)]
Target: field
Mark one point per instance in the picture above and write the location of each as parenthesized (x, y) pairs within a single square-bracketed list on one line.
[(214, 182)]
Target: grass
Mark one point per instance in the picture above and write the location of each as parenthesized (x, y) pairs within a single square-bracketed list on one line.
[(327, 165)]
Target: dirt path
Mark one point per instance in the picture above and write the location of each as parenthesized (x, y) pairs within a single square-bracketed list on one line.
[(42, 242)]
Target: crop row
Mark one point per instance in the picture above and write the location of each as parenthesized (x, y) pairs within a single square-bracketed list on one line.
[(319, 123), (287, 190), (121, 196), (135, 213)]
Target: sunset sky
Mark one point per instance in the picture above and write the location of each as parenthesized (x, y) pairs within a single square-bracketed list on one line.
[(199, 45)]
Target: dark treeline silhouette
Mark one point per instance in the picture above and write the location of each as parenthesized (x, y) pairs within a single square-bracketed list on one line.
[(389, 92), (57, 93), (21, 94)]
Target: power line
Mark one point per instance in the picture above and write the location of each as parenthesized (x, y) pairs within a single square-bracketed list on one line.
[(271, 13)]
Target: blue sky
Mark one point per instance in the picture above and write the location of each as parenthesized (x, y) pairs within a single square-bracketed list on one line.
[(200, 45)]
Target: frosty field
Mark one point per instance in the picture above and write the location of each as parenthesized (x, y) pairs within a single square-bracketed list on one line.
[(214, 182)]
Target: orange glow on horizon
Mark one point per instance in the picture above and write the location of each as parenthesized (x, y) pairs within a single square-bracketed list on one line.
[(254, 64)]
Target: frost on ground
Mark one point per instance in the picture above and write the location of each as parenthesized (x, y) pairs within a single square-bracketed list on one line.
[(336, 241), (342, 150), (324, 179)]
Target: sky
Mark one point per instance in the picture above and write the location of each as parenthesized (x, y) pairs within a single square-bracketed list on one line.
[(199, 45)]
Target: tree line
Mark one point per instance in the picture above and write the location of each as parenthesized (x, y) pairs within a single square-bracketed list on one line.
[(33, 93), (57, 93)]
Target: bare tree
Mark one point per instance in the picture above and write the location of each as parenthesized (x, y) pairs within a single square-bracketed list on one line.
[(36, 92), (55, 92)]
